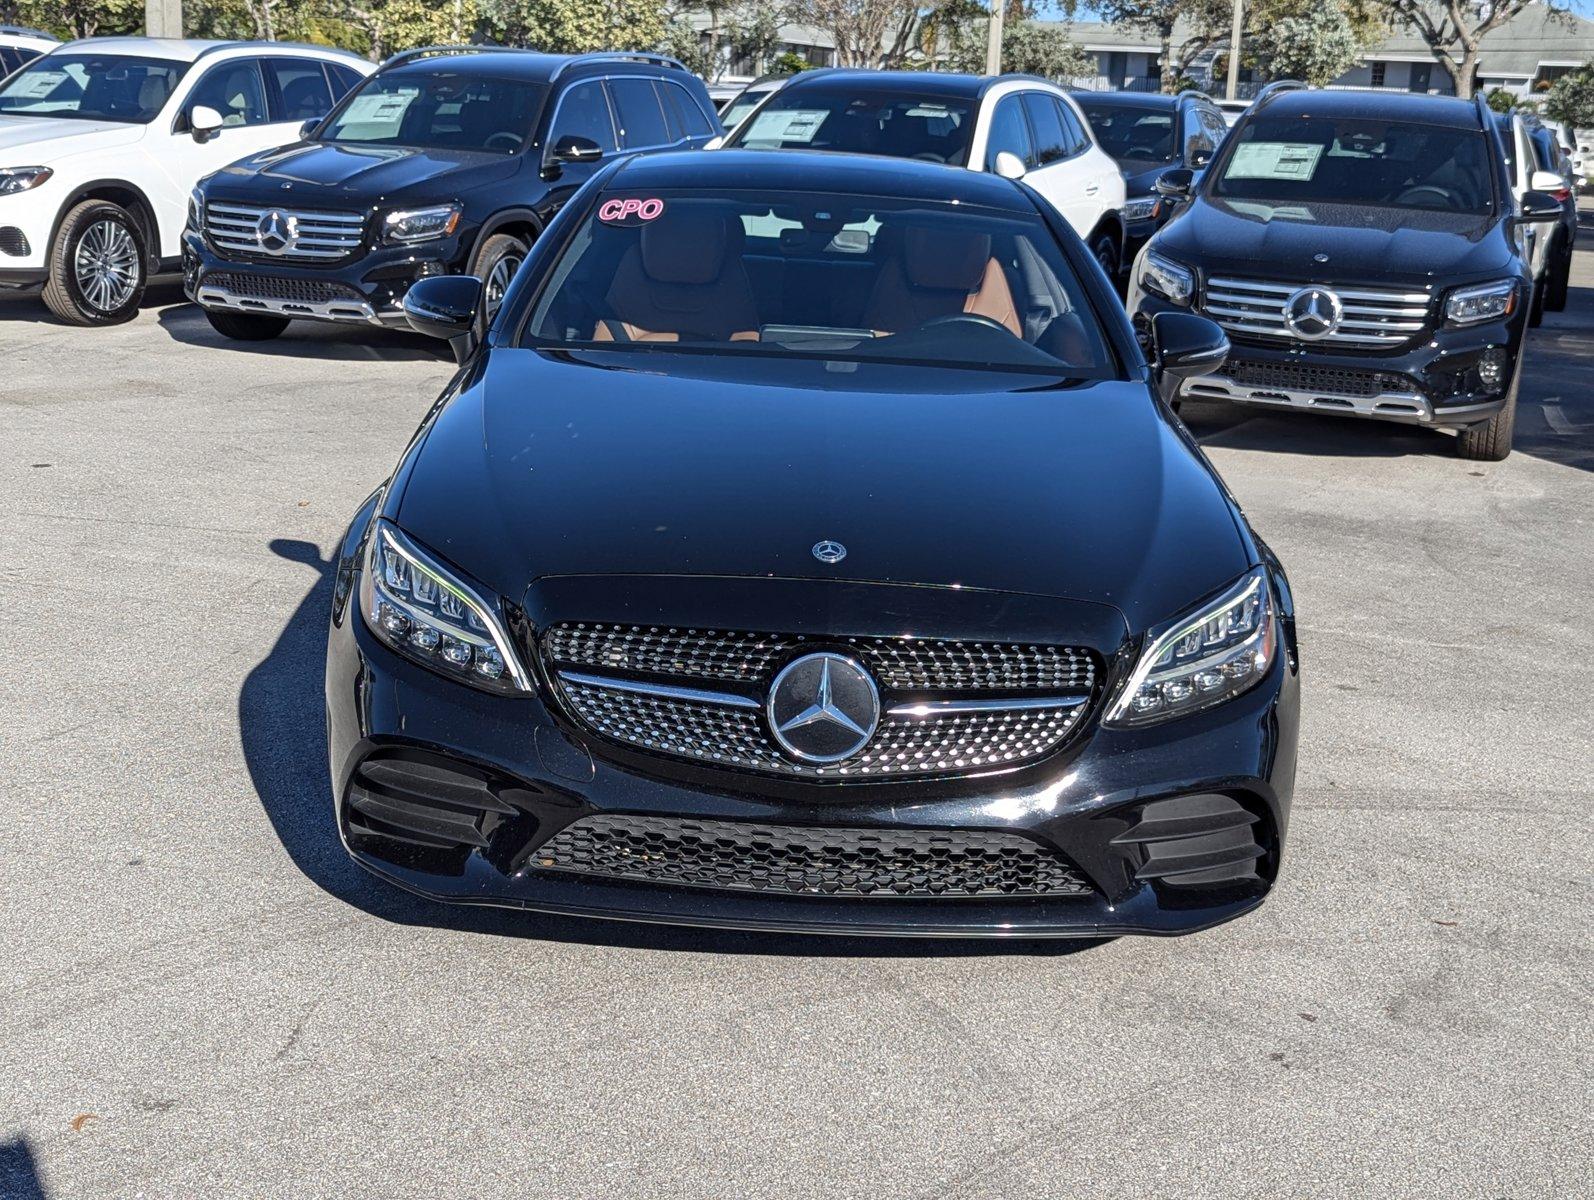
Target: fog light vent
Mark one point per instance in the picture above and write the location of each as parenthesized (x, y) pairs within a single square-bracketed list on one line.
[(1194, 840)]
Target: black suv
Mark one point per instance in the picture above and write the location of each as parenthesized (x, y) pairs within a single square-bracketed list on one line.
[(448, 160), (1363, 251), (1149, 135)]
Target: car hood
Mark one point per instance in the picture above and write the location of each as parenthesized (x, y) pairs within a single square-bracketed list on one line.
[(1359, 242), (644, 463), (362, 173), (48, 138)]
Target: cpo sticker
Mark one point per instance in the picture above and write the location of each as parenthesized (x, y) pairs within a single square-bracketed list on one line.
[(630, 211)]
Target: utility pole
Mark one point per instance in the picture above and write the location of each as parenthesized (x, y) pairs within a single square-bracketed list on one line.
[(1234, 51), (993, 41), (163, 18)]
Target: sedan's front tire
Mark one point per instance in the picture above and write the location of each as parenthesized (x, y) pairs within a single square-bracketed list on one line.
[(97, 266)]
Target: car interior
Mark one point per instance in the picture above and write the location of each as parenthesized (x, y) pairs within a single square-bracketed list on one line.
[(931, 130)]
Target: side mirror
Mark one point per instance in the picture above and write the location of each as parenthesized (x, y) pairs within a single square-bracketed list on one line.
[(1009, 165), (444, 306), (1538, 208), (573, 149), (308, 128), (1547, 181), (204, 122), (715, 142), (1177, 184), (1185, 346)]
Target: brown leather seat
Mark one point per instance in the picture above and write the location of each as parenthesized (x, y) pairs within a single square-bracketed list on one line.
[(684, 279), (932, 273)]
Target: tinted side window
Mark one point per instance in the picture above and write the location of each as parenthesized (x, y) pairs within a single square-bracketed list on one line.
[(641, 119), (1077, 138), (1051, 144), (235, 90), (1009, 132), (693, 119), (344, 79), (299, 89), (10, 60), (584, 112)]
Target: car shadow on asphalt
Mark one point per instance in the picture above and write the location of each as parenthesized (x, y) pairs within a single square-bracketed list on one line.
[(19, 1175), (185, 322), (282, 728)]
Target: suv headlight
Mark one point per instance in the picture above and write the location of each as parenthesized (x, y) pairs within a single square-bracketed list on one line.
[(196, 210), (1142, 209), (420, 609), (21, 179), (1204, 658), (1166, 278), (1486, 302), (420, 224)]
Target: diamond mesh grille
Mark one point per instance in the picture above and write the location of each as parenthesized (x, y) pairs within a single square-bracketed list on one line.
[(881, 863), (1312, 377), (281, 287), (902, 746)]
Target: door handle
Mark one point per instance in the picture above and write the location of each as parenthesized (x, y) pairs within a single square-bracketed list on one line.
[(1092, 189)]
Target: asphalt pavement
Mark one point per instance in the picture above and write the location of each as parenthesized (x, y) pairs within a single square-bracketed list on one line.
[(201, 997)]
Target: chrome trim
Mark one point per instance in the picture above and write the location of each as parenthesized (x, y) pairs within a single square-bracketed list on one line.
[(1365, 317), (937, 708), (1386, 406), (658, 689), (356, 312), (312, 234)]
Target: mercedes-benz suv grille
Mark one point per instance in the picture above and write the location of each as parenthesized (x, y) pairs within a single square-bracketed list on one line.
[(1368, 316), (302, 235), (945, 707)]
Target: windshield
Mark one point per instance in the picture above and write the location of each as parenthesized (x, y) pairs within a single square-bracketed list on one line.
[(439, 109), (741, 106), (1387, 163), (898, 126), (840, 278), (1144, 133), (92, 87)]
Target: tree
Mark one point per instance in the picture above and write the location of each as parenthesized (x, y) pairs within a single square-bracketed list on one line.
[(867, 33), (80, 18), (575, 26), (1571, 99), (1316, 45), (1201, 22), (1454, 29), (1501, 101), (1034, 48)]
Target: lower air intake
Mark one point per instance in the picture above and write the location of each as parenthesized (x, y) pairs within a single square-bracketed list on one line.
[(797, 860)]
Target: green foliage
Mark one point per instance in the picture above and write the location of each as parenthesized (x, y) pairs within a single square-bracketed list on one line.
[(688, 44), (575, 26), (789, 62), (77, 18), (1032, 48), (1315, 45), (1501, 100), (1571, 99)]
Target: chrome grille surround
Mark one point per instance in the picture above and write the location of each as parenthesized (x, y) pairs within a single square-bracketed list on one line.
[(704, 700), (321, 236), (801, 860), (1371, 316), (899, 664)]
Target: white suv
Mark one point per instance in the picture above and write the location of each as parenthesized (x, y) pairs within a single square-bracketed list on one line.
[(19, 44), (102, 140), (1015, 125)]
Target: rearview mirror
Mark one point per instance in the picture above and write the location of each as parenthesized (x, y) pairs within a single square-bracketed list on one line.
[(445, 306), (1176, 184), (1185, 346), (204, 122), (1009, 165), (1539, 207)]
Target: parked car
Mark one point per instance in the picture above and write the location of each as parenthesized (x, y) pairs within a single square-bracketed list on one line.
[(750, 97), (1526, 175), (1012, 124), (1552, 159), (1232, 110), (806, 546), (1362, 250), (1148, 135), (19, 45), (447, 160), (102, 140)]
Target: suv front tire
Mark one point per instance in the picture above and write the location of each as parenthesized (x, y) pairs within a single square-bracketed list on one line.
[(97, 265)]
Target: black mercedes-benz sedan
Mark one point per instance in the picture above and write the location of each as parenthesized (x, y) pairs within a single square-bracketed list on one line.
[(808, 545)]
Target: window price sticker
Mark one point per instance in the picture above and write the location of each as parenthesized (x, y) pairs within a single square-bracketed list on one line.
[(790, 125), (36, 85), (1292, 161), (385, 108)]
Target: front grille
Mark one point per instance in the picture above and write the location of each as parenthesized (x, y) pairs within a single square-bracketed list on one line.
[(1309, 377), (14, 242), (281, 287), (903, 745), (318, 236), (1372, 316), (797, 860), (902, 664)]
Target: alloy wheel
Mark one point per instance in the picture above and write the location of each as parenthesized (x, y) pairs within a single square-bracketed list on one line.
[(498, 281), (106, 265)]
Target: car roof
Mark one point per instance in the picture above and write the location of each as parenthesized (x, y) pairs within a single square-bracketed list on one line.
[(504, 62), (777, 171), (1130, 99), (187, 49), (919, 83), (1371, 105)]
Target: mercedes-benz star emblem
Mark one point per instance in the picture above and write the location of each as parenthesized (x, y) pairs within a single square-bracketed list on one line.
[(823, 708), (1313, 313), (828, 551), (276, 232)]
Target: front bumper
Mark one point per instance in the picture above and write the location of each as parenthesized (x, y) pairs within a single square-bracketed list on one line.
[(1165, 831), (1432, 381), (367, 290)]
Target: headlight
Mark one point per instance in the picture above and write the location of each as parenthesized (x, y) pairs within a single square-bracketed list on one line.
[(1487, 302), (1167, 278), (196, 210), (20, 179), (421, 224), (1202, 659), (419, 609), (1142, 209)]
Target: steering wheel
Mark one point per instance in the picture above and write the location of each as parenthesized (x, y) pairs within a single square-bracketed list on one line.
[(510, 140), (979, 320), (1413, 195), (930, 156)]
